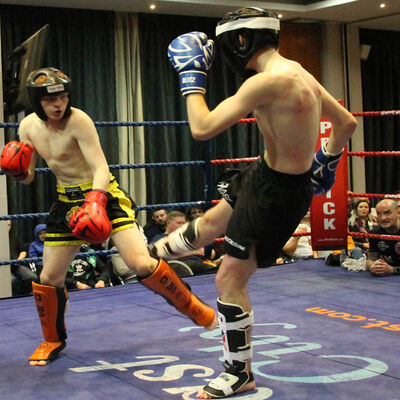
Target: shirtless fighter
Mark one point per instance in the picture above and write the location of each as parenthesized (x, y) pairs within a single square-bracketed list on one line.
[(264, 204), (91, 206)]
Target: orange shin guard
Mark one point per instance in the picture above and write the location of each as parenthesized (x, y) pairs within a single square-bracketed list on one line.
[(166, 283), (50, 304)]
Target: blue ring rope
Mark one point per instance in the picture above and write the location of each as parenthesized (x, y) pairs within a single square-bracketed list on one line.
[(33, 259), (118, 123), (120, 166), (136, 166), (140, 208)]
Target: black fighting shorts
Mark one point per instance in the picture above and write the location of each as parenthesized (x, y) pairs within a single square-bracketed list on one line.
[(267, 208)]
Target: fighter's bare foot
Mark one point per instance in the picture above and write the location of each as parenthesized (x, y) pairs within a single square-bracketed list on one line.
[(46, 353), (247, 387), (213, 325), (39, 363)]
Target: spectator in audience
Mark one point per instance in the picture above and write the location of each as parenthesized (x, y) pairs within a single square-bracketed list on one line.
[(350, 203), (22, 275), (157, 224), (299, 247), (383, 256), (362, 221), (356, 200), (88, 271), (174, 219), (16, 246), (37, 246), (193, 212), (120, 269)]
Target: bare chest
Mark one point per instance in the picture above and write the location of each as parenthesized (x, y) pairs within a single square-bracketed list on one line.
[(56, 146)]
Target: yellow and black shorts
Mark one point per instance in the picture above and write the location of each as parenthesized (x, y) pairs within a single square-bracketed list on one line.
[(121, 210)]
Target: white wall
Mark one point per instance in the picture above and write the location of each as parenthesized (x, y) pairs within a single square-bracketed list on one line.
[(341, 76), (5, 274)]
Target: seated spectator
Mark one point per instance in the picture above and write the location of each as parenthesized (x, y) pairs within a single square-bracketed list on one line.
[(362, 221), (157, 225), (37, 246), (22, 275), (193, 212), (88, 271), (198, 262), (383, 257), (299, 247), (120, 269), (356, 200), (350, 203)]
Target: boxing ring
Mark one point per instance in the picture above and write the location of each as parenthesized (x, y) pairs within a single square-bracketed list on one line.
[(320, 332)]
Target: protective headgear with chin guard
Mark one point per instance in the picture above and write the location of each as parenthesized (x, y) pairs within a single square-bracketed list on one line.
[(45, 82), (243, 32)]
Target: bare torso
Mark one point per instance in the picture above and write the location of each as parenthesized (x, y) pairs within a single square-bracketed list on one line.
[(60, 145), (289, 122), (287, 103)]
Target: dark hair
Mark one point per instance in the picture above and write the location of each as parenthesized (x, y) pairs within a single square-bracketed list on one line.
[(188, 211), (362, 201)]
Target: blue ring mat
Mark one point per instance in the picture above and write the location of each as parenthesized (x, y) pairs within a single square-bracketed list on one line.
[(320, 333)]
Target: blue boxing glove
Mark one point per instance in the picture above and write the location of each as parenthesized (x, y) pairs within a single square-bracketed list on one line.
[(191, 55), (324, 170)]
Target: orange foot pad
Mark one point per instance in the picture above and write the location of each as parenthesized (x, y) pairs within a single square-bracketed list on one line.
[(47, 352)]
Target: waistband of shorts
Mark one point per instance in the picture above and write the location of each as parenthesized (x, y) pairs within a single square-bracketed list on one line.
[(83, 188), (281, 176)]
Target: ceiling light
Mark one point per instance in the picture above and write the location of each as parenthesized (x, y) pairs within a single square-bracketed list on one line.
[(280, 15), (152, 6), (382, 5)]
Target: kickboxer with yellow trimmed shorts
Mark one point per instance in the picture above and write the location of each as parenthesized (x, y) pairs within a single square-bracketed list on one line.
[(90, 207)]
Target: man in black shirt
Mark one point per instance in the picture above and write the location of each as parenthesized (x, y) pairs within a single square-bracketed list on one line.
[(157, 225), (384, 255)]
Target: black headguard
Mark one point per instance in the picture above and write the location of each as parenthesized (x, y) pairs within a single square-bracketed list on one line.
[(258, 28), (45, 82)]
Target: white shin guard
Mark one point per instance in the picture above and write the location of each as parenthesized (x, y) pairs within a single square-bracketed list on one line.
[(178, 241)]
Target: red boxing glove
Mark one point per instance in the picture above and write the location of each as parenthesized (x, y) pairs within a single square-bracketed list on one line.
[(90, 222), (15, 159)]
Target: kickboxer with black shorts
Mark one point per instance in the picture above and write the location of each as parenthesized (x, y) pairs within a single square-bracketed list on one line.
[(263, 205), (90, 207)]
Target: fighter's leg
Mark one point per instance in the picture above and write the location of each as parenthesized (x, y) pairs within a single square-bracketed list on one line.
[(161, 278), (235, 320), (51, 300), (195, 234)]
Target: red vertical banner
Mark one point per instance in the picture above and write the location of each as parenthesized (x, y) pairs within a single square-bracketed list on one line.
[(329, 212)]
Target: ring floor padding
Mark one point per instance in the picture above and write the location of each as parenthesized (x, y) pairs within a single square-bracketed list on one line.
[(320, 333)]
